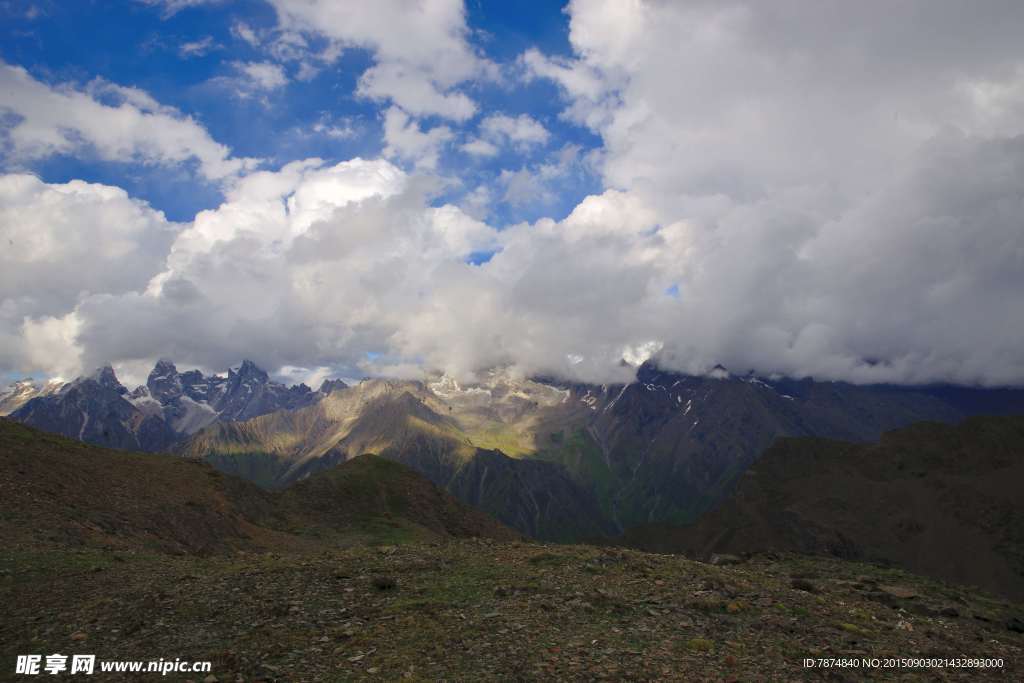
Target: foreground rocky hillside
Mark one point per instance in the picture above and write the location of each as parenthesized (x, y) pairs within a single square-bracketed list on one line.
[(940, 500), (495, 611), (370, 572)]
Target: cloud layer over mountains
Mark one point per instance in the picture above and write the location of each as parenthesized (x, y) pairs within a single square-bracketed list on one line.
[(826, 189)]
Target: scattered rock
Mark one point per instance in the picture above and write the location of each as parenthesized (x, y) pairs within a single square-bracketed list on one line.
[(723, 559), (78, 635), (700, 645), (803, 585), (901, 592), (210, 679), (384, 583), (855, 629)]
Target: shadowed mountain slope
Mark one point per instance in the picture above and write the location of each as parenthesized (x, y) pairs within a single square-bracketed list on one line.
[(939, 500)]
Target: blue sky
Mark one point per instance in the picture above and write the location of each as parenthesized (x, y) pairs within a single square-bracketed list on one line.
[(139, 44)]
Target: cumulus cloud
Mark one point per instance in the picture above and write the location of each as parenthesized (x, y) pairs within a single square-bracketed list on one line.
[(338, 255), (60, 243), (536, 184), (258, 78), (413, 90), (40, 121), (498, 130), (406, 140), (339, 130), (522, 129), (589, 91), (847, 183), (421, 51), (67, 238), (480, 148)]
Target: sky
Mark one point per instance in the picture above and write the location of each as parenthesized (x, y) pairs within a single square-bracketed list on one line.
[(825, 189)]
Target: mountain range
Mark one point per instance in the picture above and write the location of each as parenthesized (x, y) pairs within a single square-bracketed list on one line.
[(555, 460), (153, 417)]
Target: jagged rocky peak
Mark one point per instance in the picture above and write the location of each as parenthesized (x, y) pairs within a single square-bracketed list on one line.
[(164, 383), (719, 372), (164, 366), (650, 372), (249, 371), (107, 378), (331, 385), (139, 393)]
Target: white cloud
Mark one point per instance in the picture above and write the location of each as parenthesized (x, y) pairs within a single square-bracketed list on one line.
[(172, 7), (244, 32), (49, 120), (413, 90), (845, 183), (49, 344), (421, 51), (499, 130), (61, 242), (338, 130), (308, 266), (522, 129), (197, 48), (480, 148), (588, 89), (406, 140), (258, 77), (536, 184), (477, 203)]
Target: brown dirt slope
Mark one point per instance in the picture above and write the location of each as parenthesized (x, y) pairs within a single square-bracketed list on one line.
[(60, 492), (939, 500)]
